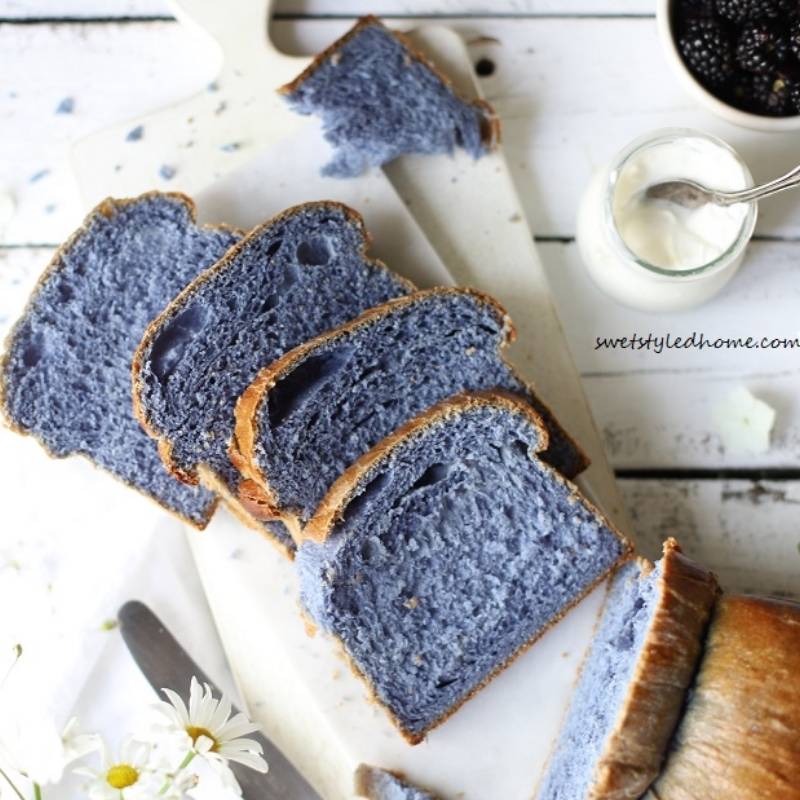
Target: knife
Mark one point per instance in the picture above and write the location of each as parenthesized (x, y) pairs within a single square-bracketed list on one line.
[(166, 664)]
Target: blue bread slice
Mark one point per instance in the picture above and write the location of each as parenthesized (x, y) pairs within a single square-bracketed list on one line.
[(379, 98), (309, 415), (634, 682), (446, 551), (374, 783), (300, 274), (65, 375)]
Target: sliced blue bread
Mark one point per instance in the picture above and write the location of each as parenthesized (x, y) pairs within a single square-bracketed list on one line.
[(634, 682), (311, 414), (302, 273), (448, 549), (380, 784), (65, 376), (379, 98)]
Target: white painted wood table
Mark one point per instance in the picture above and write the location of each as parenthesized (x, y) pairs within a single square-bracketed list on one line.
[(574, 81)]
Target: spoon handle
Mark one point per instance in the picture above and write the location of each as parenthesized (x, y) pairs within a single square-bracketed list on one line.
[(787, 181)]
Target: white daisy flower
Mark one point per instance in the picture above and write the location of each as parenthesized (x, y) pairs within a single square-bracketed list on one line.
[(33, 746), (206, 729), (131, 776)]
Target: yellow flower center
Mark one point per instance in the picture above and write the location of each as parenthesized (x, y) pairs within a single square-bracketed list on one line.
[(195, 733), (121, 776)]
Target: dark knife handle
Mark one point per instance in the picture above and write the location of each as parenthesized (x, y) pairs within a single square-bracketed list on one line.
[(166, 665)]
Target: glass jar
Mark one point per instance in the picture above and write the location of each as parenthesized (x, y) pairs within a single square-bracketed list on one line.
[(634, 280)]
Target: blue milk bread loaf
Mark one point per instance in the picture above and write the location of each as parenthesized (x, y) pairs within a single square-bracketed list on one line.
[(303, 272), (312, 413), (447, 550), (380, 784), (65, 375), (739, 737), (634, 682), (379, 98)]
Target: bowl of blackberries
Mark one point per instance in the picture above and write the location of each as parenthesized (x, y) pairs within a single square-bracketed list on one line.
[(740, 58)]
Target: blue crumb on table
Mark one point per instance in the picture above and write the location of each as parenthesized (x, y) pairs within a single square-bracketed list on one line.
[(38, 175), (167, 172), (231, 147), (212, 87), (66, 106), (135, 134), (223, 105), (50, 208)]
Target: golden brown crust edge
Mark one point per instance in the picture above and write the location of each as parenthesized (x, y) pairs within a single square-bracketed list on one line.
[(664, 670), (106, 208), (740, 735), (242, 450), (152, 331), (491, 128)]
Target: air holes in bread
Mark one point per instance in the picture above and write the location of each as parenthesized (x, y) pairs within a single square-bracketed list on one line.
[(272, 250), (314, 252), (288, 278), (168, 349), (370, 490), (291, 393), (434, 474), (34, 351), (65, 292)]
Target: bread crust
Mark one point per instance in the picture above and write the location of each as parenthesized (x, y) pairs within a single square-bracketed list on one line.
[(106, 208), (210, 480), (636, 747), (335, 502), (257, 493), (740, 736), (490, 121), (165, 445)]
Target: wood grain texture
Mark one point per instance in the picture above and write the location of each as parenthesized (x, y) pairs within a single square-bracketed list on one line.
[(745, 531), (740, 736)]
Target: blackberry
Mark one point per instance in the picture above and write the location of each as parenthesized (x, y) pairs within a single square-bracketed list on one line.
[(707, 51), (761, 47), (794, 37), (741, 10), (692, 9), (767, 94), (794, 97)]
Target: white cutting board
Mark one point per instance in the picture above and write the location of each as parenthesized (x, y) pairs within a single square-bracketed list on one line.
[(297, 687)]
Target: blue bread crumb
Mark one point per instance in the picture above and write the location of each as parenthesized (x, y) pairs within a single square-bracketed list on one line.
[(212, 87), (167, 172), (37, 176), (66, 106), (50, 208), (135, 134), (231, 147)]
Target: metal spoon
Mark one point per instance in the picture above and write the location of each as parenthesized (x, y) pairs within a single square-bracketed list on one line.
[(690, 194)]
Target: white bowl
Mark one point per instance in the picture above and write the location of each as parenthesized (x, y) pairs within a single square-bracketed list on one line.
[(701, 94)]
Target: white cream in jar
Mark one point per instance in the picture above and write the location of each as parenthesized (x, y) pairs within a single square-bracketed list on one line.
[(653, 255)]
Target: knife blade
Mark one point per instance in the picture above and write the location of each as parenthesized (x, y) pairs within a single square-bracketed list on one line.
[(166, 664)]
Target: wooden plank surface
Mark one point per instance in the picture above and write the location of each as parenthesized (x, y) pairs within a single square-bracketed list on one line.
[(54, 9), (549, 74)]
